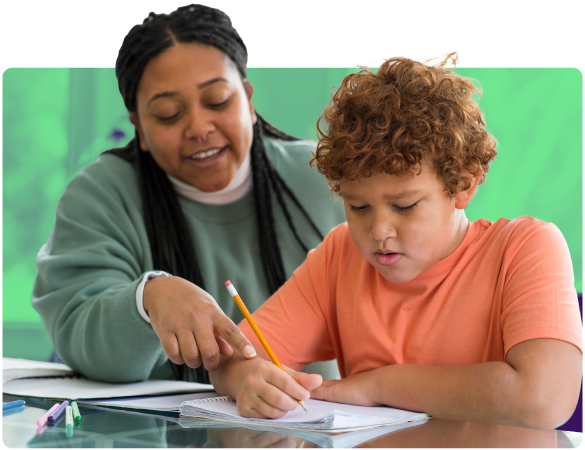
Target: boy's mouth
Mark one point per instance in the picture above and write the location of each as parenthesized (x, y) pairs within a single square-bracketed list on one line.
[(388, 258)]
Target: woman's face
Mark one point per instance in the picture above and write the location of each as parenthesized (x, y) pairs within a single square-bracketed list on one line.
[(195, 115)]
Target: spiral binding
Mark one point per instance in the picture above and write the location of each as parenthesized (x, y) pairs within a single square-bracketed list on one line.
[(211, 399)]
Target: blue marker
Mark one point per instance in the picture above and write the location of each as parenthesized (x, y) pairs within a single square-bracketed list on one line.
[(10, 405)]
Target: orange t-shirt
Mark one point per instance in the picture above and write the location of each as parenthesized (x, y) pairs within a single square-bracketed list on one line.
[(508, 281)]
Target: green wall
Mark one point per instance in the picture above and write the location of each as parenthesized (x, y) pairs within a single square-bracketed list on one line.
[(56, 121)]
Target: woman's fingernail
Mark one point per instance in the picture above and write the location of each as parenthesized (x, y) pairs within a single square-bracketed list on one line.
[(249, 350)]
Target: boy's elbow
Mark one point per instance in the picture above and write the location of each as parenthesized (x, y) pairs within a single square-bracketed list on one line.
[(547, 411)]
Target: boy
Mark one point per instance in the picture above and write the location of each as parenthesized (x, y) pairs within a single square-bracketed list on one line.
[(422, 309)]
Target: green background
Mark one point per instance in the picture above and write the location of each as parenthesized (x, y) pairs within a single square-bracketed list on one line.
[(57, 121)]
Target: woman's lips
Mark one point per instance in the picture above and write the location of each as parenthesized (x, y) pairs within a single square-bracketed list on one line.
[(213, 158), (388, 259)]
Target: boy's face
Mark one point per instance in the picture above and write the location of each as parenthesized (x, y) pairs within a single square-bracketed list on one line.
[(403, 224)]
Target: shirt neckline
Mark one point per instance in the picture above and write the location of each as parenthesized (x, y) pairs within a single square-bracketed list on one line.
[(238, 187), (450, 261)]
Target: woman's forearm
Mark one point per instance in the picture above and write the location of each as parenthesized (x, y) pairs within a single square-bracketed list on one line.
[(486, 392)]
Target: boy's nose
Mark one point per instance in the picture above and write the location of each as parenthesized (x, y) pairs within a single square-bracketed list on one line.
[(382, 229)]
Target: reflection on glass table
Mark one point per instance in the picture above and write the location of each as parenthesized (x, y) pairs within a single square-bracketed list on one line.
[(106, 428)]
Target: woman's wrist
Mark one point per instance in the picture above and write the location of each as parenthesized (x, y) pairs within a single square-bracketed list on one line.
[(149, 285)]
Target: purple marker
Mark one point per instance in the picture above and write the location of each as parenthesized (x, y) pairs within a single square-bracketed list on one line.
[(58, 411)]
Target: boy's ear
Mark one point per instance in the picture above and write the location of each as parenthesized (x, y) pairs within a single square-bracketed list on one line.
[(462, 198), (134, 120)]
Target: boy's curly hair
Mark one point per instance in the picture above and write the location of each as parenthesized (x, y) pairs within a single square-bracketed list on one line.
[(390, 120)]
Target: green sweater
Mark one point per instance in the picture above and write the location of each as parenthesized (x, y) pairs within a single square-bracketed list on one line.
[(98, 252)]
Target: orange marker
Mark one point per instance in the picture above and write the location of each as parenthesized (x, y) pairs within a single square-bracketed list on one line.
[(259, 335)]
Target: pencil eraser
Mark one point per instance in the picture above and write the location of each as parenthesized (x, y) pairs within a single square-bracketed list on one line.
[(228, 282)]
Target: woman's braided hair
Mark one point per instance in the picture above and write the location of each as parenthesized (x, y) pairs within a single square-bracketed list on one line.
[(165, 222)]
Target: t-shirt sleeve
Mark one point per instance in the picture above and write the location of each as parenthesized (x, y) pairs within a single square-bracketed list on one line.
[(539, 298), (294, 320)]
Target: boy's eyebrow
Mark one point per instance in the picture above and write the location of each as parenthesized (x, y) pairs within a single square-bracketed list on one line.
[(397, 196), (403, 194)]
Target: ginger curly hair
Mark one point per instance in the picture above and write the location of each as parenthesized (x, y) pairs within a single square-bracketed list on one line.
[(390, 120)]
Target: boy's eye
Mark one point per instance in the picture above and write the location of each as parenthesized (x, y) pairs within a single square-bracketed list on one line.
[(401, 209), (405, 208)]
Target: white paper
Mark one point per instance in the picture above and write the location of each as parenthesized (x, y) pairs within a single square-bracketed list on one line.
[(158, 403), (13, 368), (79, 388)]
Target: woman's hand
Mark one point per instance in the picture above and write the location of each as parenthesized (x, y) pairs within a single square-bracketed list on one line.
[(190, 325), (266, 392)]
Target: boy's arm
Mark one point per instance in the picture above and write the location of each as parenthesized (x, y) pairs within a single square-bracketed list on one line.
[(226, 379), (537, 387), (260, 388)]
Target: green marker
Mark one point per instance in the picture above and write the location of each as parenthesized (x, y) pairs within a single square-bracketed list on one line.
[(76, 415), (68, 418)]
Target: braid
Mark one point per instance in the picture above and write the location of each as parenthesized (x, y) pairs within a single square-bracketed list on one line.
[(164, 219)]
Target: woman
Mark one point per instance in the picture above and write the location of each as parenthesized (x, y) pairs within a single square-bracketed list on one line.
[(191, 195)]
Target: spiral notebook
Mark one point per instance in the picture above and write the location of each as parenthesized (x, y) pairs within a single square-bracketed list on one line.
[(320, 415)]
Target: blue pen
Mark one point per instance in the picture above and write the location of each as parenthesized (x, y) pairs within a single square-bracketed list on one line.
[(58, 411), (15, 404)]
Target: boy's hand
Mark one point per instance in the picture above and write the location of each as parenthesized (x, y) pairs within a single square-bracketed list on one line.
[(266, 392), (354, 390)]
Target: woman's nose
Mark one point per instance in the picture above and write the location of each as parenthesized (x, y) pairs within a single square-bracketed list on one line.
[(199, 126)]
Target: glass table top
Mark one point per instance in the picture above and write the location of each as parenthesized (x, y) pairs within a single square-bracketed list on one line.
[(108, 428)]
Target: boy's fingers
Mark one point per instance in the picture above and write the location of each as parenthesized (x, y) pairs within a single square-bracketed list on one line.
[(309, 381), (235, 338), (287, 383)]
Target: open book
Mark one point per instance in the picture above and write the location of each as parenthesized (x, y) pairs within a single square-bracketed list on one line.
[(14, 368), (322, 416), (23, 378)]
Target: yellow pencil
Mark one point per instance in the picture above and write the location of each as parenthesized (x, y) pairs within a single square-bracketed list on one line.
[(259, 335)]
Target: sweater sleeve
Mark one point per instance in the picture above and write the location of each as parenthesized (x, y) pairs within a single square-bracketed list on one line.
[(88, 273)]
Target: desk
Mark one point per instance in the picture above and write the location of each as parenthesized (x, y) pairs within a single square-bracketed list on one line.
[(119, 429)]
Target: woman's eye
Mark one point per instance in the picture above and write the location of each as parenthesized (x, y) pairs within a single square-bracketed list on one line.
[(220, 104), (358, 208), (167, 118)]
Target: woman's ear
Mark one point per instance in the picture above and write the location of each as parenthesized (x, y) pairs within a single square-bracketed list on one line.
[(249, 88), (134, 119), (462, 198)]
